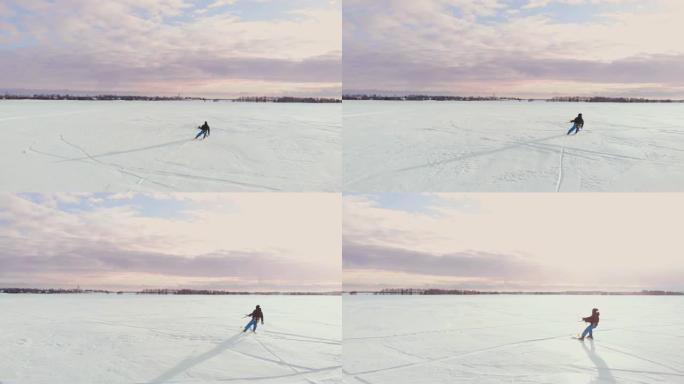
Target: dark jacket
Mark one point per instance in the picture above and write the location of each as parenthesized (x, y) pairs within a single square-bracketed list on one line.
[(593, 319), (257, 315), (579, 121), (204, 127)]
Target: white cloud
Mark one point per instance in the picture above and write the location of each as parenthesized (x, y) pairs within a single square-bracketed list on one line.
[(483, 47), (221, 3), (589, 240), (291, 239), (162, 45)]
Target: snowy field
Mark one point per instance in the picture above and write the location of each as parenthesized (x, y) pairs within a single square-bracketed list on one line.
[(512, 339), (72, 339), (147, 146), (511, 146)]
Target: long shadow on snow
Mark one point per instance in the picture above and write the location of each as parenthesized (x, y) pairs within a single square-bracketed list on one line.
[(479, 153), (604, 374), (193, 361), (462, 157), (140, 149)]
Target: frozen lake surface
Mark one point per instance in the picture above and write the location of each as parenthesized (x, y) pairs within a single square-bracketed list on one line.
[(98, 338), (147, 146), (404, 146), (512, 339)]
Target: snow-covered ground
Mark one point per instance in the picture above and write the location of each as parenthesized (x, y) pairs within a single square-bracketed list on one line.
[(512, 339), (98, 338), (147, 146), (511, 146)]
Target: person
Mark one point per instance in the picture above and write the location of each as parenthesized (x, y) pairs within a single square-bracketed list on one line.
[(578, 124), (204, 130), (256, 315), (593, 321)]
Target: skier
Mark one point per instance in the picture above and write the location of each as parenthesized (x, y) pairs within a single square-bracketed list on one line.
[(578, 124), (204, 130), (256, 315), (593, 321)]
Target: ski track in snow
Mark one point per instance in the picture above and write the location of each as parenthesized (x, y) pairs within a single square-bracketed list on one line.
[(516, 351), (427, 361), (130, 170), (603, 344), (478, 147), (255, 147), (560, 170), (121, 169), (150, 340), (466, 156), (123, 152), (226, 346)]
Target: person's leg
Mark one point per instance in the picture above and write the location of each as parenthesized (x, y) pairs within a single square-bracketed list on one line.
[(591, 331), (254, 327), (586, 331), (251, 322), (198, 135), (572, 128)]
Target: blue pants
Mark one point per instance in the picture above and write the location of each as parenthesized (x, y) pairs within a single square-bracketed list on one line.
[(200, 134), (588, 331), (575, 128), (253, 324)]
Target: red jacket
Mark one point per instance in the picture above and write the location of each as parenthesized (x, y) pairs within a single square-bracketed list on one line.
[(257, 315), (593, 319)]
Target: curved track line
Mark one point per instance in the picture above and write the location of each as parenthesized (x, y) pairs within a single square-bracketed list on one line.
[(445, 358), (122, 152), (641, 358), (303, 336), (118, 167), (560, 170), (470, 155), (267, 349)]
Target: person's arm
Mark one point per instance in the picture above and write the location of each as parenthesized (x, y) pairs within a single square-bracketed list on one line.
[(262, 317)]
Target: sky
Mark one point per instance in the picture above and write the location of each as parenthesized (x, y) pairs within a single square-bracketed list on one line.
[(248, 241), (523, 48), (210, 48), (513, 242)]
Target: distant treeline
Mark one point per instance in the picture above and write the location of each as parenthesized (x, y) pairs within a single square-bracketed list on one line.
[(222, 292), (254, 99), (97, 97), (576, 99), (159, 292), (418, 291), (286, 99), (604, 99), (52, 290), (426, 98)]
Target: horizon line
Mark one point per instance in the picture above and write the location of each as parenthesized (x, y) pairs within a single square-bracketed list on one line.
[(177, 97), (164, 291), (495, 97), (441, 291)]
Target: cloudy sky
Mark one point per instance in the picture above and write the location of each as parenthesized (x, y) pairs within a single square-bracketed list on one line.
[(544, 242), (166, 47), (119, 241), (528, 48)]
